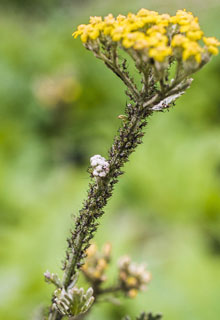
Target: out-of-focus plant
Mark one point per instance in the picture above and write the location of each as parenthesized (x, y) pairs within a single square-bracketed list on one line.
[(132, 277), (57, 95), (56, 90), (60, 107), (166, 51)]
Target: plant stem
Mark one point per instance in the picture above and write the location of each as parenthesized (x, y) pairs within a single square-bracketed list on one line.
[(129, 136), (108, 290), (100, 190)]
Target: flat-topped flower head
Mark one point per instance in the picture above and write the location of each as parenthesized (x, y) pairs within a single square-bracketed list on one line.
[(141, 33), (166, 51)]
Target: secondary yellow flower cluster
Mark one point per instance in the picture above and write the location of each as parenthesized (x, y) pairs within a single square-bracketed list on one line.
[(96, 263), (132, 277), (154, 35)]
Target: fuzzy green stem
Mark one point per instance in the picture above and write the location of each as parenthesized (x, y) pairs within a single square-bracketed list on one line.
[(125, 143), (100, 190)]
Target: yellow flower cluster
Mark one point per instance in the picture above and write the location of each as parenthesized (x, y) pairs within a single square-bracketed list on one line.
[(96, 263), (133, 277), (157, 36)]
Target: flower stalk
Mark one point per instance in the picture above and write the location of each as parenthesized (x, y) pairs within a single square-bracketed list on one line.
[(155, 43)]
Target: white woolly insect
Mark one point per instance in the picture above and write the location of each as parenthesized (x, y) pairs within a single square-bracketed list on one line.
[(100, 166)]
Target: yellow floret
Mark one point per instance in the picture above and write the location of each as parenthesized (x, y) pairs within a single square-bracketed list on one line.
[(141, 44), (163, 20), (190, 26), (131, 38), (150, 19), (131, 17), (132, 293), (156, 39), (165, 16), (117, 33), (138, 24), (79, 31), (160, 53), (84, 37), (182, 18), (94, 34), (179, 40), (156, 28), (102, 264), (95, 20), (109, 19), (131, 281), (87, 32), (211, 41), (107, 30), (194, 35), (127, 43), (120, 18), (97, 274), (192, 49), (144, 13), (184, 14), (213, 50)]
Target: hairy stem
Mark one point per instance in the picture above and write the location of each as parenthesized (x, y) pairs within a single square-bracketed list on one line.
[(129, 136), (100, 189)]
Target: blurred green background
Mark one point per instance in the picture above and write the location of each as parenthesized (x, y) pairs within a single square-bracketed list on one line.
[(59, 106)]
